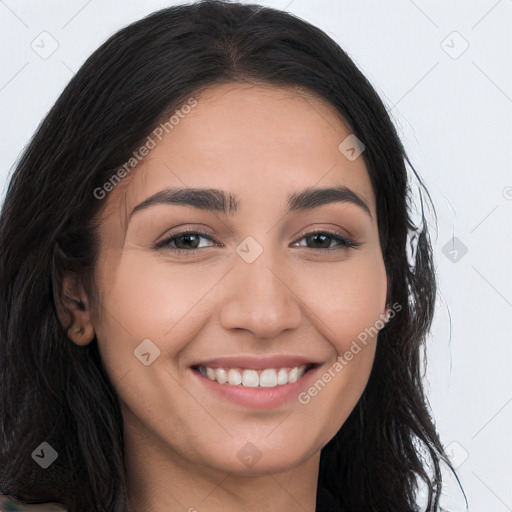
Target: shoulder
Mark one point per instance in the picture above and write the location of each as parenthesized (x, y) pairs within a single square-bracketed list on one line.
[(11, 504)]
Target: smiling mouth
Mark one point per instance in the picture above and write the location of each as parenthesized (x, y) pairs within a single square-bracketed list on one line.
[(251, 378)]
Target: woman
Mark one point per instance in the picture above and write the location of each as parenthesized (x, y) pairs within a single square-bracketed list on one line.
[(213, 295)]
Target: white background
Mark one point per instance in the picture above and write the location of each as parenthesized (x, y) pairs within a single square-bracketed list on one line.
[(454, 115)]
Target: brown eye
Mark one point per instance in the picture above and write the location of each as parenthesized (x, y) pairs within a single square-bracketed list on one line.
[(320, 240), (323, 240), (186, 241)]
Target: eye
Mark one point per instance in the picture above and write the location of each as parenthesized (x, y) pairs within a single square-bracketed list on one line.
[(186, 241), (189, 241), (325, 239)]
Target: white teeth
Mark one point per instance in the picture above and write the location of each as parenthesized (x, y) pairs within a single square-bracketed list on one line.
[(267, 378), (221, 375), (250, 379), (234, 377), (282, 377)]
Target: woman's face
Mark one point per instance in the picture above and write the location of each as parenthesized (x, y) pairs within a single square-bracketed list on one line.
[(251, 287)]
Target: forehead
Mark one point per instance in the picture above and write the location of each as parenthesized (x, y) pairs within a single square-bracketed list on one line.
[(260, 142)]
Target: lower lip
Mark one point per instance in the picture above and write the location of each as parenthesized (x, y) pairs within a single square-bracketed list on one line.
[(258, 398)]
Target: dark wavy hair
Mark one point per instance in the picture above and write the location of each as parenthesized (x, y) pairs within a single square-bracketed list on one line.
[(55, 391)]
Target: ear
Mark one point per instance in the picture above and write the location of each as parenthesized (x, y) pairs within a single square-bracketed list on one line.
[(73, 310), (388, 312)]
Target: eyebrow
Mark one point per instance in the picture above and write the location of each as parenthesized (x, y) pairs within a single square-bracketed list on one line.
[(216, 200)]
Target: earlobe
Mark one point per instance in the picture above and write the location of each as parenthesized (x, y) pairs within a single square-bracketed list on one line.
[(81, 334), (387, 314), (73, 311)]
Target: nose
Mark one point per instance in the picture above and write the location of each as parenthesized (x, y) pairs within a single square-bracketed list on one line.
[(260, 298)]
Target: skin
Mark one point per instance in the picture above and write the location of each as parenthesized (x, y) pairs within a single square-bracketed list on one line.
[(261, 143)]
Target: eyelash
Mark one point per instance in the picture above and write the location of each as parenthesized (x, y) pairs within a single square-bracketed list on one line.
[(346, 243)]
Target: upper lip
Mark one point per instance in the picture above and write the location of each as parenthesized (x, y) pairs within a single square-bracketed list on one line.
[(257, 362)]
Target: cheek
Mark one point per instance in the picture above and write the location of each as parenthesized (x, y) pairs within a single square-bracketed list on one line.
[(148, 300), (346, 304), (151, 297), (347, 298)]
